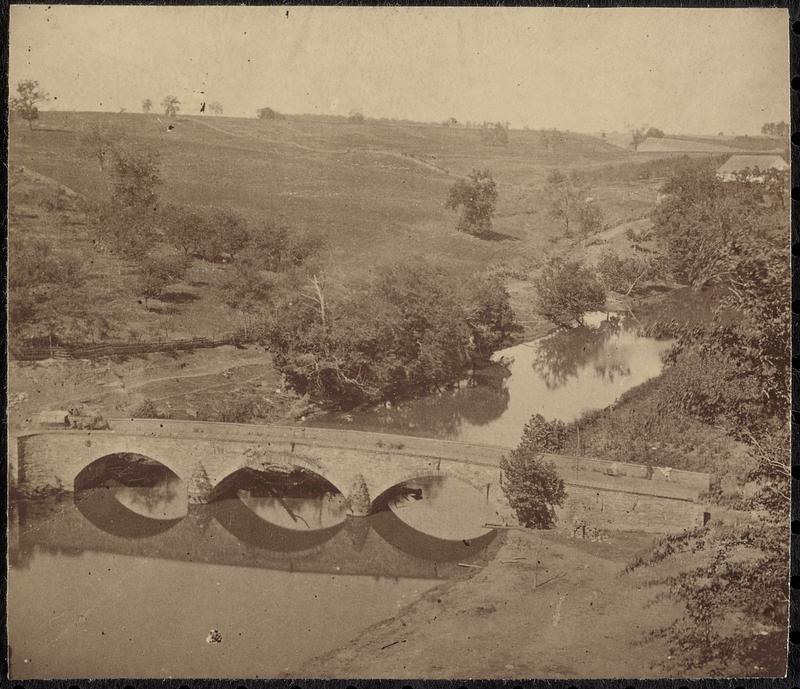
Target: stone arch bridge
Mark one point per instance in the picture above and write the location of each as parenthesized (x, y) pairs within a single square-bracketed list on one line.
[(361, 465)]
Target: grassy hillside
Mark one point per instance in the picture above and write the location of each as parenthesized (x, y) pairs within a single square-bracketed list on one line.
[(373, 190)]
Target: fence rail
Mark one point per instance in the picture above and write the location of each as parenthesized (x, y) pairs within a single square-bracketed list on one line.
[(91, 351)]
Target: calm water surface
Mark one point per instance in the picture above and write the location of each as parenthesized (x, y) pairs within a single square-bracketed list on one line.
[(125, 578), (559, 377)]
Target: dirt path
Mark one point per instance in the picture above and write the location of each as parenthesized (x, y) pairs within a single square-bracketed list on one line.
[(562, 611)]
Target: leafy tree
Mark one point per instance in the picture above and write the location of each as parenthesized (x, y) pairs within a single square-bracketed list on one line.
[(182, 226), (158, 271), (24, 103), (171, 106), (356, 117), (147, 105), (98, 142), (590, 217), (488, 314), (477, 198), (655, 133), (532, 485), (135, 175), (249, 290), (565, 197), (567, 290), (267, 114), (624, 275)]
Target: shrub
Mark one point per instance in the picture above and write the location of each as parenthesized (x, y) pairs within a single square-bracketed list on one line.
[(148, 409)]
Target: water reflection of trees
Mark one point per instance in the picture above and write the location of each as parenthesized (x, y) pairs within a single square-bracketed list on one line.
[(478, 400), (563, 356)]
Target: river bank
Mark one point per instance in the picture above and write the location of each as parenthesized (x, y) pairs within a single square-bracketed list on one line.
[(546, 606)]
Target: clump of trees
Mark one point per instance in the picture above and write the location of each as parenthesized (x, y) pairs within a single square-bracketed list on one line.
[(530, 483), (732, 373), (702, 222), (24, 104), (476, 196), (356, 117), (408, 329), (777, 129), (494, 134), (147, 105), (567, 291)]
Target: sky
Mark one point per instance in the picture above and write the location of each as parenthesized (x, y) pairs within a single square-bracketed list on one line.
[(682, 70)]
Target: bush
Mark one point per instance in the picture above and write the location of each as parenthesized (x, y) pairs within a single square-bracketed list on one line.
[(148, 409), (532, 486)]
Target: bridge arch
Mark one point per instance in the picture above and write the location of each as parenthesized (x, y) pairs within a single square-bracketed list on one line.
[(126, 467)]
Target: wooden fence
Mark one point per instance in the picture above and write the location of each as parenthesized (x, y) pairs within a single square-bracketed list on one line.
[(92, 351)]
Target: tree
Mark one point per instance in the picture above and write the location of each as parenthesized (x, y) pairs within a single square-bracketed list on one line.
[(565, 196), (590, 217), (24, 103), (171, 106), (776, 129), (532, 486), (356, 117), (624, 275), (267, 114), (98, 142), (158, 271), (135, 175), (249, 290), (182, 226), (147, 105), (567, 290), (655, 133), (477, 198), (637, 136), (215, 107)]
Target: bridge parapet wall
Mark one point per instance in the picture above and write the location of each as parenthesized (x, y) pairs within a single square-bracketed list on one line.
[(618, 494)]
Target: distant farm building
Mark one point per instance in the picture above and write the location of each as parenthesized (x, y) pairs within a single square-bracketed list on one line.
[(670, 145), (737, 165)]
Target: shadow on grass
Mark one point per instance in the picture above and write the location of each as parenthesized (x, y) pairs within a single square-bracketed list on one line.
[(178, 297), (493, 236)]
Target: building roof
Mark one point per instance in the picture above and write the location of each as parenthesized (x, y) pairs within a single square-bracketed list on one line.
[(738, 163)]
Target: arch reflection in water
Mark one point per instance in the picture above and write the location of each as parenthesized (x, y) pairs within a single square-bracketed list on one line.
[(279, 509), (437, 518), (130, 495)]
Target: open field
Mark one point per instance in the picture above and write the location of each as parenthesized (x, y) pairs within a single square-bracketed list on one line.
[(365, 188)]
